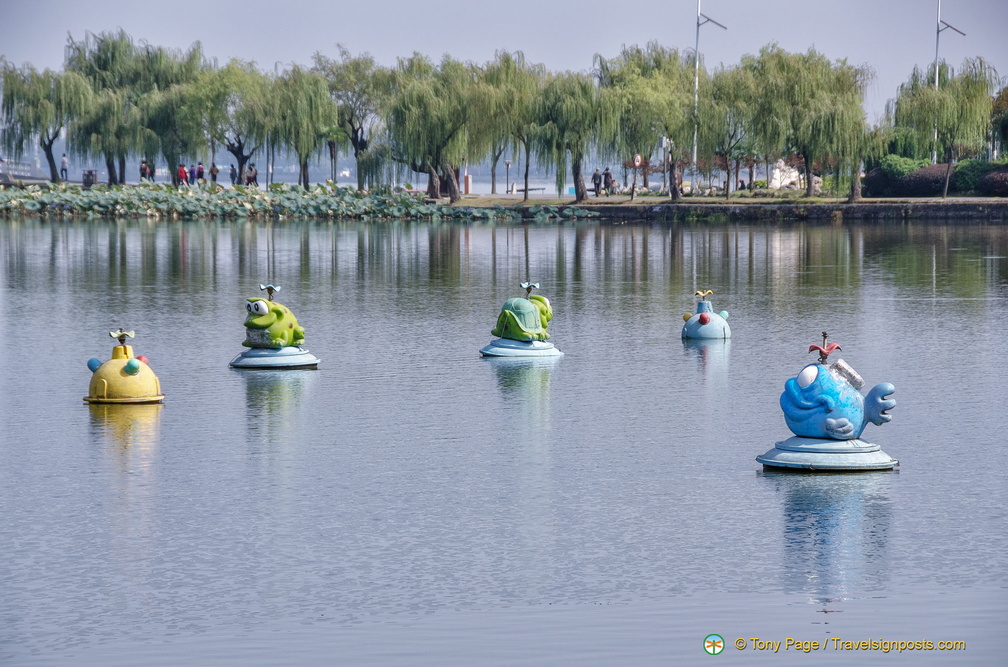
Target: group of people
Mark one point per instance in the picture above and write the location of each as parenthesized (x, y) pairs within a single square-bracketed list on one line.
[(603, 180), (195, 175)]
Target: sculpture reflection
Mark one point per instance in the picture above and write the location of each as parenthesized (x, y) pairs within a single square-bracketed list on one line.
[(836, 529), (273, 402), (711, 355)]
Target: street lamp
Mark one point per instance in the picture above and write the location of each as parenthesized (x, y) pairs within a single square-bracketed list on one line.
[(507, 176), (696, 81), (941, 25)]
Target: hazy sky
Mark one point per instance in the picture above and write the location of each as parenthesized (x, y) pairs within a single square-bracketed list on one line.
[(891, 36)]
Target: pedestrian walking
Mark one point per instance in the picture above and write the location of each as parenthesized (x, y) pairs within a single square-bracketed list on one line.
[(63, 167), (234, 175), (597, 182)]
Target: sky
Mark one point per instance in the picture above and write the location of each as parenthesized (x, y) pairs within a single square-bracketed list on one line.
[(890, 36)]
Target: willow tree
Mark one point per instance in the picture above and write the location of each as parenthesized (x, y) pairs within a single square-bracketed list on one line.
[(236, 108), (807, 105), (510, 117), (171, 121), (360, 88), (304, 112), (122, 74), (956, 114), (653, 87), (726, 111), (39, 105), (572, 115), (427, 116)]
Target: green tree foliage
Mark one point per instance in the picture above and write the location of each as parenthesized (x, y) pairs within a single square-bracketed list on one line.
[(360, 89), (573, 115), (809, 106), (237, 108), (508, 116), (39, 105), (304, 113), (956, 115), (726, 110), (427, 118), (122, 76), (651, 89)]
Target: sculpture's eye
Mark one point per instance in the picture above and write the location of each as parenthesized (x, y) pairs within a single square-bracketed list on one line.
[(248, 306), (807, 375), (257, 307)]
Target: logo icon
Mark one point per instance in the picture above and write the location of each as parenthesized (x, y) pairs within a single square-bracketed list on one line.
[(713, 644)]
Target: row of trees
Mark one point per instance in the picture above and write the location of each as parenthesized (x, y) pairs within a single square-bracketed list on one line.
[(116, 99)]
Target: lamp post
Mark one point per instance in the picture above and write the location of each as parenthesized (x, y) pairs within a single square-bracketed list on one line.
[(940, 25), (507, 176), (696, 82)]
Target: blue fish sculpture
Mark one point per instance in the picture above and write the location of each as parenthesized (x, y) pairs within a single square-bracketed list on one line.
[(825, 402)]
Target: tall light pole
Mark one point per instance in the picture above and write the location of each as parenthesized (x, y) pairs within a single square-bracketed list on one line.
[(939, 26), (507, 178), (696, 81)]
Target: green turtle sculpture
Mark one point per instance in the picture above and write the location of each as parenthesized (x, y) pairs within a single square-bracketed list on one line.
[(521, 327)]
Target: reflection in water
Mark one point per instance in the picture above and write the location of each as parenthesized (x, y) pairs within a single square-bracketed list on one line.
[(130, 430), (273, 401), (711, 355), (836, 533), (526, 381)]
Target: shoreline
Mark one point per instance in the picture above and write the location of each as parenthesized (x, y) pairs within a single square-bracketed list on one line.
[(160, 202)]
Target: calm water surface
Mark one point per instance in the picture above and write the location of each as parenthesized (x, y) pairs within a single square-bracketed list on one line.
[(410, 503)]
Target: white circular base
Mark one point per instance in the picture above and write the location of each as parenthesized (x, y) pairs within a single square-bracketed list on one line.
[(293, 357), (821, 454), (505, 347)]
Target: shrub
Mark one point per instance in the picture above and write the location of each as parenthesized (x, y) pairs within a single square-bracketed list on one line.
[(875, 183), (968, 173), (895, 166), (926, 182), (994, 183)]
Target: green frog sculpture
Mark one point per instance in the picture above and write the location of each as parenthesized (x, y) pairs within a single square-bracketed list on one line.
[(273, 335), (521, 327)]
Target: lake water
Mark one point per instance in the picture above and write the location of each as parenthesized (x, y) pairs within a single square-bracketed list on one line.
[(411, 503)]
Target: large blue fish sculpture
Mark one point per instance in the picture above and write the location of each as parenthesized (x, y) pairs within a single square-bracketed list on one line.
[(825, 402)]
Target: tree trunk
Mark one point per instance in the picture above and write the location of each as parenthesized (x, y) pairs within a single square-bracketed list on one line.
[(453, 186), (110, 166), (332, 160), (752, 173), (303, 179), (808, 175), (433, 183), (855, 185), (674, 180), (46, 146), (493, 168), (580, 192), (948, 177), (527, 150), (122, 170)]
